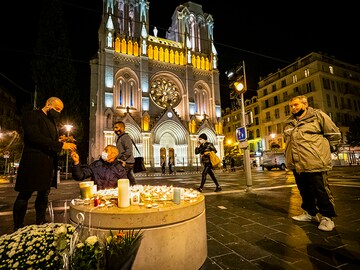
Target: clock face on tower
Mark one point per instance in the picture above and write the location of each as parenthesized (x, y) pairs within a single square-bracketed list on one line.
[(164, 93)]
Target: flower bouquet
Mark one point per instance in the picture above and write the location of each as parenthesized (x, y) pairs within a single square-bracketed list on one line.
[(88, 255), (121, 249)]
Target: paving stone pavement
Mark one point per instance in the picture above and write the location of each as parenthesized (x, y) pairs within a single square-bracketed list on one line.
[(253, 229)]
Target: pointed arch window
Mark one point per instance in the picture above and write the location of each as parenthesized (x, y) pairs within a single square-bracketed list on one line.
[(131, 94), (121, 93)]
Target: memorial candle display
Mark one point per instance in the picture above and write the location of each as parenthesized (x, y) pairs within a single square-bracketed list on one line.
[(123, 193)]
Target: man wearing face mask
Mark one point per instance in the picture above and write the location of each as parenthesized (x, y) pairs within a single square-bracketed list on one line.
[(309, 135), (38, 164), (104, 172)]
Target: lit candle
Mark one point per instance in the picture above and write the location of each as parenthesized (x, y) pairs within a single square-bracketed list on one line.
[(123, 193)]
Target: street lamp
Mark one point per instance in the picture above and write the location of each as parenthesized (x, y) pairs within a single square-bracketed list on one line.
[(240, 85), (68, 129)]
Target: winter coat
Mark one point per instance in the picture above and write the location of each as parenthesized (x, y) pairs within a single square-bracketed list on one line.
[(104, 174), (38, 164), (124, 144), (205, 147), (308, 141)]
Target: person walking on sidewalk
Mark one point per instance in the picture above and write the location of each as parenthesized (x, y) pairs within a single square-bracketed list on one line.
[(38, 164), (124, 144), (310, 135), (203, 147)]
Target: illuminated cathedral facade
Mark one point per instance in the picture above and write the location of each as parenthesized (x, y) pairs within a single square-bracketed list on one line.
[(166, 90)]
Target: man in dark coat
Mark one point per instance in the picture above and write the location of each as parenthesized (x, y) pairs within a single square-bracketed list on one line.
[(38, 164)]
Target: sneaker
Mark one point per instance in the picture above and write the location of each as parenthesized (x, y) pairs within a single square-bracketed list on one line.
[(218, 189), (306, 217), (326, 224)]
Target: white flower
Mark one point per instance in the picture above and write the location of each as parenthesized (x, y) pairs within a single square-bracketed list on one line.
[(91, 240)]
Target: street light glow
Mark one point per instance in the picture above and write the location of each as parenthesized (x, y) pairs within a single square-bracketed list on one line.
[(68, 128)]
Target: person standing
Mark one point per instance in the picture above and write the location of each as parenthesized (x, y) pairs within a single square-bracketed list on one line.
[(224, 164), (105, 171), (232, 164), (163, 165), (38, 165), (203, 148), (170, 163), (309, 135), (124, 144)]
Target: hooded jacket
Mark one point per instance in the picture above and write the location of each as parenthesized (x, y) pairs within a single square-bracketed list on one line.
[(308, 141)]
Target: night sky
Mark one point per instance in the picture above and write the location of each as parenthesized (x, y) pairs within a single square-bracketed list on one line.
[(266, 36)]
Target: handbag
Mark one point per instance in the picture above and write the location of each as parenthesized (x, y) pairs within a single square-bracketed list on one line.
[(139, 165), (214, 159)]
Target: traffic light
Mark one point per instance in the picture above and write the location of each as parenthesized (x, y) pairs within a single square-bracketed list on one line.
[(237, 78)]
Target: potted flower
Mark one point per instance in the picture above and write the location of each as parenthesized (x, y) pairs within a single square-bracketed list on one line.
[(35, 247)]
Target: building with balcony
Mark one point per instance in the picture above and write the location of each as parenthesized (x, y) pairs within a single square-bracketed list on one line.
[(329, 84)]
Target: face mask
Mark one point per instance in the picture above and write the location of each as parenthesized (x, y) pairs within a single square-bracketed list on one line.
[(104, 156), (299, 113), (54, 115)]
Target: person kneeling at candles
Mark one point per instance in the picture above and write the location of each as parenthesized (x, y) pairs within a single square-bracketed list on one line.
[(104, 172)]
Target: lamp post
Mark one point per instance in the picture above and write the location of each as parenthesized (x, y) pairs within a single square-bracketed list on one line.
[(68, 129), (240, 86)]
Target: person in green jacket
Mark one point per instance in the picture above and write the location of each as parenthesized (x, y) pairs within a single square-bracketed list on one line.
[(310, 134)]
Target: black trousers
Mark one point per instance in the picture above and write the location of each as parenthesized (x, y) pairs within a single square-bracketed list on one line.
[(208, 171), (315, 193), (130, 174), (21, 205)]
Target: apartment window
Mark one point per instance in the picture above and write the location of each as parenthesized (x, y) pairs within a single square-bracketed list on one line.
[(333, 86), (342, 103), (267, 103), (257, 133), (274, 87), (277, 113), (355, 106), (267, 116), (265, 92), (307, 73), (287, 110), (331, 69), (278, 128), (283, 83), (309, 87), (294, 78), (256, 120), (285, 96), (269, 130), (276, 100), (296, 90), (328, 100), (336, 102), (256, 110), (326, 84)]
